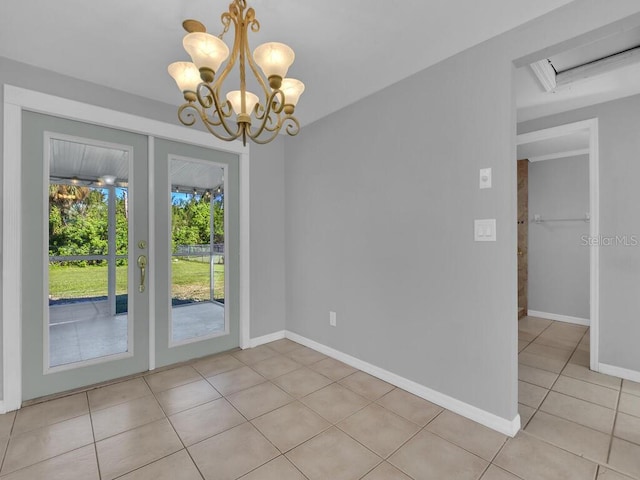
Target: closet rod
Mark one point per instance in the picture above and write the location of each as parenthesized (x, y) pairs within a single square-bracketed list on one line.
[(538, 219)]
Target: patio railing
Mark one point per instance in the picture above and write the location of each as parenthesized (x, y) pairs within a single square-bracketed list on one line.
[(207, 253)]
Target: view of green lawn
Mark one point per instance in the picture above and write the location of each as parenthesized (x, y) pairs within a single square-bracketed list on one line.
[(190, 280)]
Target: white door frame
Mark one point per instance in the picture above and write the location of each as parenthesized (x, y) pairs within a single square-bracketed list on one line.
[(16, 100), (591, 126)]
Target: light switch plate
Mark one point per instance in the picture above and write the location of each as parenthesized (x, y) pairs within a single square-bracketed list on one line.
[(485, 178), (485, 230)]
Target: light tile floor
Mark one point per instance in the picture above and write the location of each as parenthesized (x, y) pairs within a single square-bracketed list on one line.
[(285, 412)]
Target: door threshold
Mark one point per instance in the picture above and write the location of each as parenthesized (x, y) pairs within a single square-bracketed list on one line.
[(67, 393)]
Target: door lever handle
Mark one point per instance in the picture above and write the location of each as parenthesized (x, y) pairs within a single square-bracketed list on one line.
[(142, 263)]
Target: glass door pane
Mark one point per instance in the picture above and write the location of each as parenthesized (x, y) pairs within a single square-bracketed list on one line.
[(88, 247), (197, 246)]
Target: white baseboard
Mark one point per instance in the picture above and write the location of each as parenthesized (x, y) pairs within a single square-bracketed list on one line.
[(2, 407), (559, 318), (502, 425), (272, 337), (620, 372)]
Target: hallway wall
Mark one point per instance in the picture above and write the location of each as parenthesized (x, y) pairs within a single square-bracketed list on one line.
[(558, 253)]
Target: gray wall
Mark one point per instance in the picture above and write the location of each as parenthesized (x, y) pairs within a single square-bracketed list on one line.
[(267, 239), (619, 124), (558, 257), (380, 202), (267, 224)]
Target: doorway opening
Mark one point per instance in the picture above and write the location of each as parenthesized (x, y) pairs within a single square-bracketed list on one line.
[(558, 317), (565, 155)]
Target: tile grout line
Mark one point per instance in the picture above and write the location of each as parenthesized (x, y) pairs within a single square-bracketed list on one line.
[(93, 433), (566, 394), (184, 446), (371, 470), (59, 454), (174, 430), (587, 381), (281, 453), (496, 456), (4, 455), (421, 429), (613, 428), (490, 462), (148, 423), (597, 463), (534, 435), (556, 380), (335, 425), (47, 460), (247, 420), (374, 402)]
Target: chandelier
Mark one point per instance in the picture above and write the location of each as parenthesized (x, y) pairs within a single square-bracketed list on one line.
[(241, 114)]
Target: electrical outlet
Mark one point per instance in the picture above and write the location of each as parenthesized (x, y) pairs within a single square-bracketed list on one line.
[(332, 319)]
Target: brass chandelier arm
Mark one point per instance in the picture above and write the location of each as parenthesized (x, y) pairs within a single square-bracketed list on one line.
[(263, 141), (229, 17), (292, 129), (207, 100), (189, 119), (253, 66), (271, 105), (219, 110), (266, 117), (232, 136)]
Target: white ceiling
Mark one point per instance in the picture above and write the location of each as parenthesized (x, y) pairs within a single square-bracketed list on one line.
[(571, 145), (345, 50)]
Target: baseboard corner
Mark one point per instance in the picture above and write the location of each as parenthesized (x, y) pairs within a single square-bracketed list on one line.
[(559, 318), (271, 337), (488, 419), (626, 373)]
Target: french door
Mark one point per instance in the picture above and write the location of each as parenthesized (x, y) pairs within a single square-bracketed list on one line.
[(116, 281), (196, 258)]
